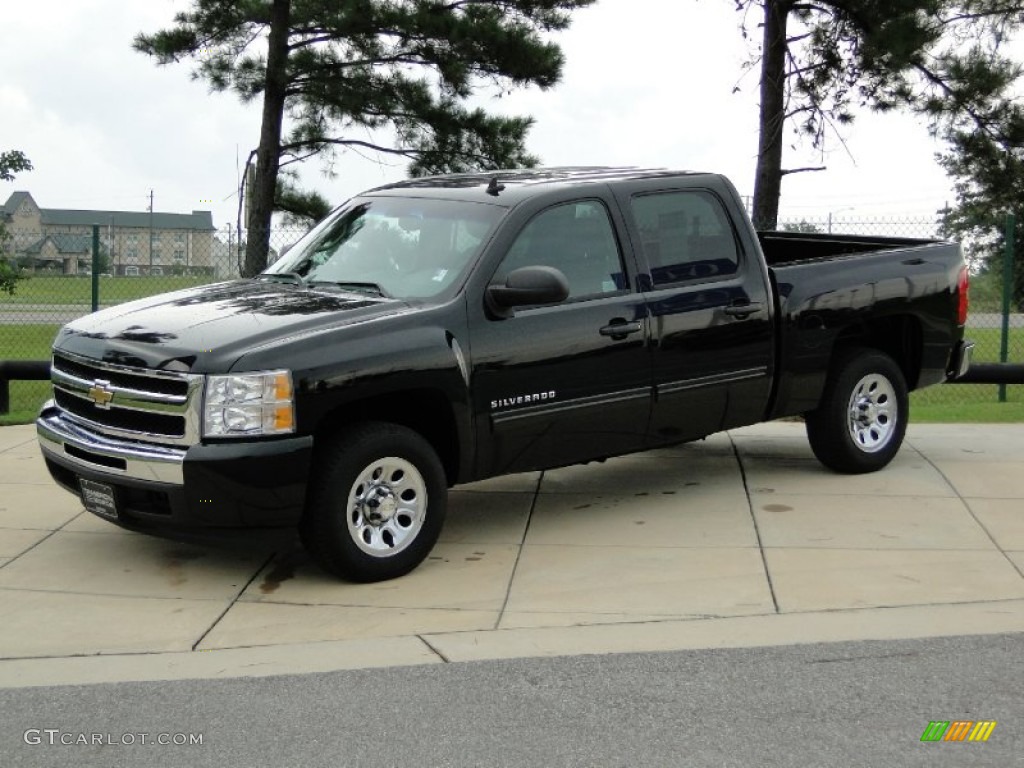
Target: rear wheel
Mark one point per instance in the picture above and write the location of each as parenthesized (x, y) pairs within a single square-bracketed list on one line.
[(376, 503), (860, 423)]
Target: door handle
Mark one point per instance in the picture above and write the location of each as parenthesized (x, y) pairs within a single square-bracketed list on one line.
[(619, 329), (742, 311)]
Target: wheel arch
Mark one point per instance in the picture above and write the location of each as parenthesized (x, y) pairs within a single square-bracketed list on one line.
[(426, 411), (898, 336)]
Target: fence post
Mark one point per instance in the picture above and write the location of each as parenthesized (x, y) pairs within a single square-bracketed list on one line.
[(1004, 340), (95, 267)]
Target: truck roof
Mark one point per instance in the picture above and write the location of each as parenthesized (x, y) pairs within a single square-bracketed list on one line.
[(509, 187)]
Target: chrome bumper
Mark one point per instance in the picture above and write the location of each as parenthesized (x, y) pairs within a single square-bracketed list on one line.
[(72, 445), (960, 362)]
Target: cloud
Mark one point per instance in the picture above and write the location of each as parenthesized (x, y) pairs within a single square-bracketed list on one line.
[(646, 82)]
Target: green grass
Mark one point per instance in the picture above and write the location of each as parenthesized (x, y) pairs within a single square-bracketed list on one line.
[(42, 289), (975, 403), (26, 399), (26, 342), (967, 403), (987, 341)]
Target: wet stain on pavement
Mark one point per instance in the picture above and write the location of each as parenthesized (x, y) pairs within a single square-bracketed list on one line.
[(282, 570), (175, 576), (776, 508), (174, 564)]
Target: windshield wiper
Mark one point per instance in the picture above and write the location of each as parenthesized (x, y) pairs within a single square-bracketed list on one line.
[(352, 285), (281, 277)]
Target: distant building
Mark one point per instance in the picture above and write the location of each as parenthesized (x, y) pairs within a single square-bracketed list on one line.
[(132, 242)]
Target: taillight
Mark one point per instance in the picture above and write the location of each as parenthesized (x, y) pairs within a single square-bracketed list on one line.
[(961, 289)]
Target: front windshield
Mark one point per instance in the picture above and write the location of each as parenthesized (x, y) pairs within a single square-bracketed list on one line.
[(399, 247)]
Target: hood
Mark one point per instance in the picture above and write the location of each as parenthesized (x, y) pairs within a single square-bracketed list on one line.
[(206, 329)]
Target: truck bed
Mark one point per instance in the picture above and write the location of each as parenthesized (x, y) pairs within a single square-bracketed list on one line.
[(895, 294), (782, 248)]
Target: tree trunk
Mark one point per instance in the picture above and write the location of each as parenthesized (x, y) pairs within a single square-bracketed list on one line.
[(768, 176), (268, 156)]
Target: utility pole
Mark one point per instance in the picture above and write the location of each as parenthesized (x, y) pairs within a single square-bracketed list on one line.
[(151, 231)]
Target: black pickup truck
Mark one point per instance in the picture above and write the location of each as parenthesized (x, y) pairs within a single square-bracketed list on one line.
[(448, 329)]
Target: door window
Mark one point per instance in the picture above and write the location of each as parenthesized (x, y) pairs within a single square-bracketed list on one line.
[(686, 236), (575, 238)]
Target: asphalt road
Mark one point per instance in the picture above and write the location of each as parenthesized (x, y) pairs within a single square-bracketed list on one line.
[(993, 320), (841, 704)]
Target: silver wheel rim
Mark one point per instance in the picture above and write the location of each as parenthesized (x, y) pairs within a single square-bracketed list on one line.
[(873, 413), (386, 506)]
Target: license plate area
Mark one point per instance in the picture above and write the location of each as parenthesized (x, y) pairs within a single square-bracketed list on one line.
[(99, 498)]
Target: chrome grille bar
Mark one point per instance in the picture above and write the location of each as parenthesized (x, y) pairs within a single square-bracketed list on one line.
[(119, 401)]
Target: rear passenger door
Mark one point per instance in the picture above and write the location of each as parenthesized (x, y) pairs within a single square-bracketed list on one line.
[(562, 383), (710, 310)]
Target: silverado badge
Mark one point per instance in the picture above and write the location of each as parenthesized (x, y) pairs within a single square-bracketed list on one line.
[(511, 402)]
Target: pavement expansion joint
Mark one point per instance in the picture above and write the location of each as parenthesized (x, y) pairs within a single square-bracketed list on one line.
[(234, 600), (434, 650), (753, 519)]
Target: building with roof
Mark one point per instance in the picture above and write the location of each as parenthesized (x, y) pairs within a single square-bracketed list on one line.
[(132, 242)]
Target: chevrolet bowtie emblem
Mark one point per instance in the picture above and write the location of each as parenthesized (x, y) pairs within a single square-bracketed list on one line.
[(100, 394)]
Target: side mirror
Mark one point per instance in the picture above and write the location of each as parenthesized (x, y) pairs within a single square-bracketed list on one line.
[(526, 287)]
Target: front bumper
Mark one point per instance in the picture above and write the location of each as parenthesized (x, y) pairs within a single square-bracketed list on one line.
[(227, 484)]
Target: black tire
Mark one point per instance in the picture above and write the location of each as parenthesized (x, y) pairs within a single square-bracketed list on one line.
[(862, 418), (376, 503)]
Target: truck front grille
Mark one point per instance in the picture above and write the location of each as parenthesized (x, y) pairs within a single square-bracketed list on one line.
[(134, 403)]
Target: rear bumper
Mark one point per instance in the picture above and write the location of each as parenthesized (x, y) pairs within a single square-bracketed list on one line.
[(228, 485), (960, 360)]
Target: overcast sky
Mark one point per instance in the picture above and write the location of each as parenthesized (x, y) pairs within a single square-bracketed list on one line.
[(647, 82)]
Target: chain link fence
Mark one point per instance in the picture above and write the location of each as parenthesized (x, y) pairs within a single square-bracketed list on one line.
[(56, 265), (58, 287)]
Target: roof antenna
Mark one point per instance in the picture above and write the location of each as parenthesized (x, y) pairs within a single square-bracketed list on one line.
[(493, 187)]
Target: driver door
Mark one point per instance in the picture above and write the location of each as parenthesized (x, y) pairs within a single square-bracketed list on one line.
[(561, 384)]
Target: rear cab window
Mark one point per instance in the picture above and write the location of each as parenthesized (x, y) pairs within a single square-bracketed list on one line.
[(685, 235)]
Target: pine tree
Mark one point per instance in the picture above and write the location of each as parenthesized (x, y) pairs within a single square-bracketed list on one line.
[(820, 60), (988, 168), (392, 76)]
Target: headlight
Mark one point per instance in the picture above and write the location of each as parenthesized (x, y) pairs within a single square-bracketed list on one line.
[(249, 404)]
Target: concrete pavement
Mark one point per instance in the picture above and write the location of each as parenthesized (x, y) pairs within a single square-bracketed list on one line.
[(740, 540)]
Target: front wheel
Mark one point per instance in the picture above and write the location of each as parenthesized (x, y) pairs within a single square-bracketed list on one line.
[(860, 423), (376, 503)]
